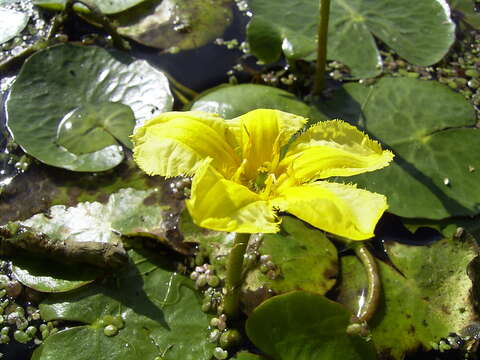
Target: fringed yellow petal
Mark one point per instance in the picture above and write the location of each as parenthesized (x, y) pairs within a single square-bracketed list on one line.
[(339, 209), (220, 204), (176, 143), (333, 148), (260, 135)]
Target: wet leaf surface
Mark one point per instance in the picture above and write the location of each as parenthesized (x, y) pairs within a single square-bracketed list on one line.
[(155, 311), (305, 326), (426, 299), (105, 6), (57, 80), (13, 22), (232, 101), (436, 170), (176, 25), (128, 212), (419, 31)]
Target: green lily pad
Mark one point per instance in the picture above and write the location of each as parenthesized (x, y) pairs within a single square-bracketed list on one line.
[(426, 299), (105, 6), (176, 24), (305, 326), (155, 311), (128, 212), (232, 101), (465, 10), (430, 129), (304, 259), (90, 128), (57, 80), (419, 31), (13, 22)]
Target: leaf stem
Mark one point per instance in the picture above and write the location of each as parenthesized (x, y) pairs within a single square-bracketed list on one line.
[(185, 90), (319, 81), (374, 285), (233, 281), (97, 15)]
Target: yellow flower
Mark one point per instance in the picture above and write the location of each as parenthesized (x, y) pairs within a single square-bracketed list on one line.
[(245, 170)]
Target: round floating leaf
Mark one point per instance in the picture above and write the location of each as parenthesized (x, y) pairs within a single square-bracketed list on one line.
[(429, 127), (90, 128), (105, 6), (154, 310), (129, 213), (419, 31), (55, 81), (426, 299), (304, 326), (233, 101), (176, 24), (12, 24)]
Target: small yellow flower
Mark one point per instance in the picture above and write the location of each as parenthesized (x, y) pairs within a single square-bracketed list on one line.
[(245, 170)]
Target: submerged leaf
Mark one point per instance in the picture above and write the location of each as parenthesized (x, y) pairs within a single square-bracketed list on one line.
[(426, 296), (59, 79), (176, 24), (305, 326), (435, 173), (152, 312), (419, 31)]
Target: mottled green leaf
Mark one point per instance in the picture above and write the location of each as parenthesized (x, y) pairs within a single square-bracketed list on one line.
[(90, 128), (176, 24), (128, 212), (13, 22), (41, 187), (426, 299), (57, 80), (305, 326), (105, 6), (157, 309), (430, 129), (419, 31), (233, 101), (304, 259)]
